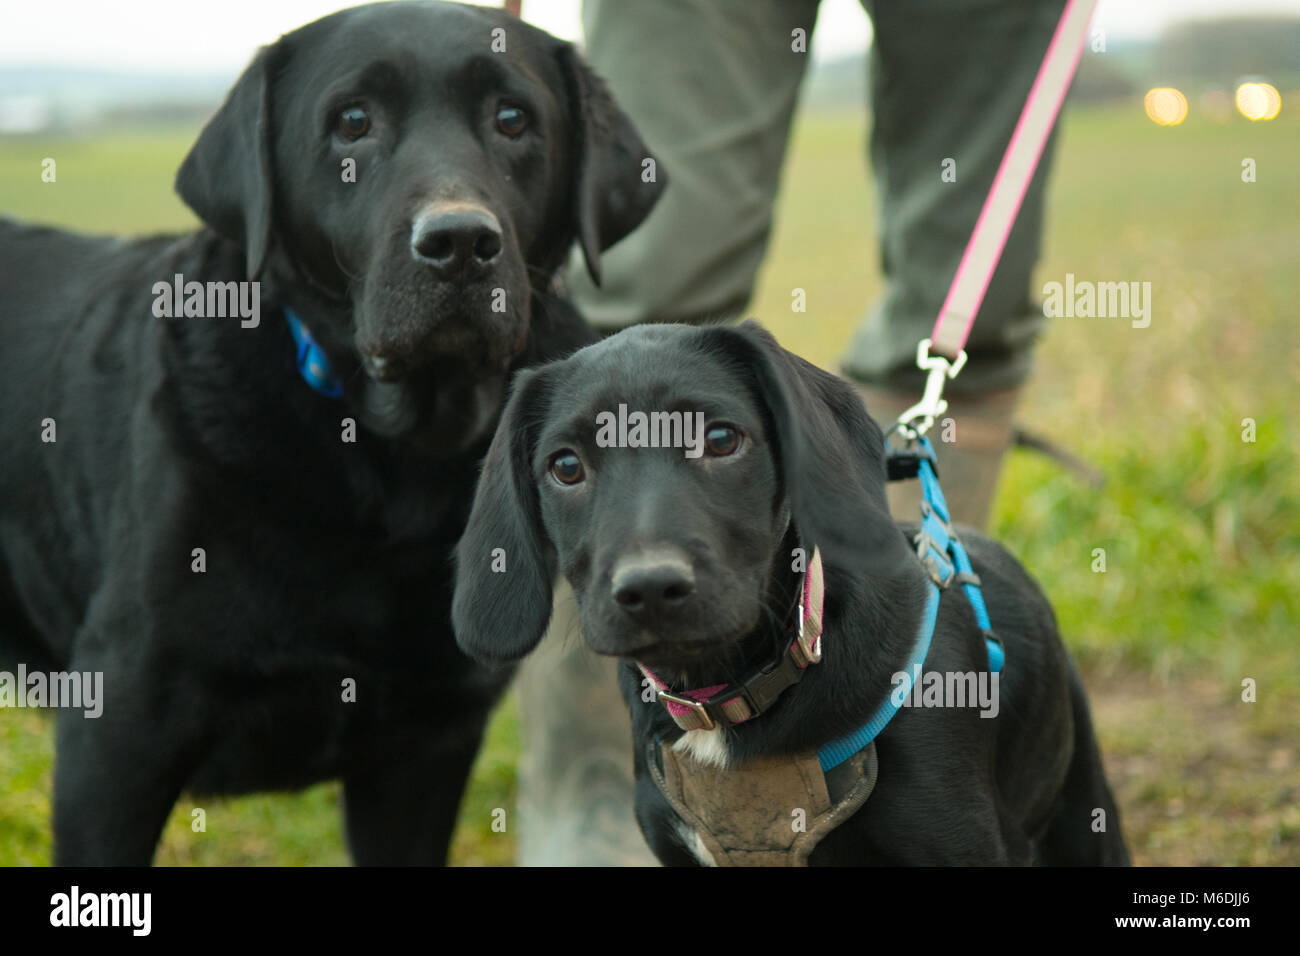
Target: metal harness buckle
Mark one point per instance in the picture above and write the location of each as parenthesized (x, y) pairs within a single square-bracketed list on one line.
[(803, 650), (916, 421), (940, 569), (697, 706)]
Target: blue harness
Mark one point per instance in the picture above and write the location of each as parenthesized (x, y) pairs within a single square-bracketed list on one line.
[(946, 561)]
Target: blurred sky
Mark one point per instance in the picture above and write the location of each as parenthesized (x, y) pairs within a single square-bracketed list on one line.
[(189, 36)]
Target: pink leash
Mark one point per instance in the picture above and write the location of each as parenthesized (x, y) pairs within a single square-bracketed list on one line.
[(952, 329)]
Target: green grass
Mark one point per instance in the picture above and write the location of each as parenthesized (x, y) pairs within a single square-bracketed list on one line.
[(121, 183), (1201, 530)]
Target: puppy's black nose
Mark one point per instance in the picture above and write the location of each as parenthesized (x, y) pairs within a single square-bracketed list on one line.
[(456, 241), (652, 585)]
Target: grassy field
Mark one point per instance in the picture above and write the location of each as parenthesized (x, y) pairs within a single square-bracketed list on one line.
[(1201, 528)]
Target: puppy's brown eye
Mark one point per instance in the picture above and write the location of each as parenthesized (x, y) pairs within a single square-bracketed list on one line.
[(721, 440), (566, 468), (354, 122), (512, 121)]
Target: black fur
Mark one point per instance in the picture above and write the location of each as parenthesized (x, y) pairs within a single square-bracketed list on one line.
[(325, 560), (954, 788)]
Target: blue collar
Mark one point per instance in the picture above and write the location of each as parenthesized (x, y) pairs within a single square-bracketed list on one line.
[(946, 561), (313, 366)]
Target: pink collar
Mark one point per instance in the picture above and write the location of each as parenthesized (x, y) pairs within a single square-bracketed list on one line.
[(727, 704)]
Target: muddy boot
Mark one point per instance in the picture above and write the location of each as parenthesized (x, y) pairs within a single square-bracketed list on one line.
[(969, 440), (575, 776)]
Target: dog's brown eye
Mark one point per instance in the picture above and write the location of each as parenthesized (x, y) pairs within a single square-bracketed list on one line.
[(721, 440), (512, 121), (567, 468), (354, 122)]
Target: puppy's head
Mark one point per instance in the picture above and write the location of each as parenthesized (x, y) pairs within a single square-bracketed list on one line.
[(424, 166), (674, 553)]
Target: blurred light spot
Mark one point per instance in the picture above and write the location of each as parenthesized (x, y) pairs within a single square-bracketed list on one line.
[(1166, 106), (1258, 101)]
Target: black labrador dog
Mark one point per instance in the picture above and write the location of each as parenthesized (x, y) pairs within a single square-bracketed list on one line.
[(261, 570), (681, 559)]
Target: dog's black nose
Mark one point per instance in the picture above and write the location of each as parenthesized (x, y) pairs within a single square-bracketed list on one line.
[(456, 241), (651, 585)]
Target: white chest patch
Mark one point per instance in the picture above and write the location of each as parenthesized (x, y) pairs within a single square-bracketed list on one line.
[(709, 747)]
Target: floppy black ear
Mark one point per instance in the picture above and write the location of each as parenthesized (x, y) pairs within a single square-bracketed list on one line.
[(227, 176), (505, 567), (613, 190), (831, 452)]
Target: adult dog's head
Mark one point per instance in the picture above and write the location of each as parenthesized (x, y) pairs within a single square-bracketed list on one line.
[(415, 171), (675, 553)]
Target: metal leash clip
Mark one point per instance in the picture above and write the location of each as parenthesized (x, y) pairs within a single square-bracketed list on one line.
[(916, 421)]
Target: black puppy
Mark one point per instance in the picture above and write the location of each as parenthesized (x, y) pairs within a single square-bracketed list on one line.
[(261, 572), (692, 561)]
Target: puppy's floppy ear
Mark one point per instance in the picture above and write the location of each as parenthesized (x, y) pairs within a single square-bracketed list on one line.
[(831, 453), (500, 615), (610, 194), (228, 175)]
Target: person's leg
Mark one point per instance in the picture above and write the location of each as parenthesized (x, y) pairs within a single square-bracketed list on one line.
[(948, 81), (711, 85), (575, 778)]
